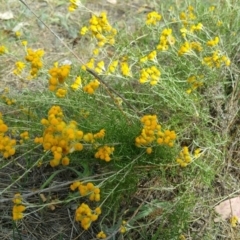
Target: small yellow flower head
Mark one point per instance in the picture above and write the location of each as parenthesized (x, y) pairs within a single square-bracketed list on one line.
[(3, 49), (166, 39), (234, 221), (24, 43), (83, 30), (197, 152), (18, 212), (18, 34), (100, 67), (184, 157), (65, 161), (153, 18), (196, 46), (24, 136), (213, 42), (197, 27), (219, 23), (75, 185), (113, 66), (195, 82), (19, 67), (100, 134), (34, 57), (151, 74), (104, 153), (96, 51), (123, 228), (86, 216), (185, 48), (125, 69), (211, 8), (61, 93), (17, 198), (74, 4), (101, 235), (91, 87), (152, 55), (149, 150), (77, 83)]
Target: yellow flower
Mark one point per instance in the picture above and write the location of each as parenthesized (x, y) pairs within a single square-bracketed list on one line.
[(213, 42), (74, 4), (18, 212), (101, 235), (234, 221), (125, 69), (185, 48), (17, 198), (153, 18), (3, 49), (211, 8), (77, 83), (123, 228), (18, 33), (112, 66), (61, 93), (24, 43), (149, 150), (83, 30)]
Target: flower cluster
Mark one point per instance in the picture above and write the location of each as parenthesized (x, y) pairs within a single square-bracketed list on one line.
[(104, 153), (86, 216), (195, 82), (125, 70), (234, 221), (18, 208), (188, 15), (213, 42), (187, 47), (59, 137), (193, 28), (152, 132), (100, 67), (91, 87), (61, 92), (101, 29), (153, 18), (87, 189), (19, 67), (58, 75), (77, 83), (24, 136), (90, 137), (184, 157), (151, 56), (123, 228), (35, 58), (7, 145), (91, 64), (112, 66), (166, 40), (73, 5), (216, 60), (101, 235), (151, 74)]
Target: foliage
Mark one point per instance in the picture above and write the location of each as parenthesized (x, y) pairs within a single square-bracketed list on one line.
[(126, 136)]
